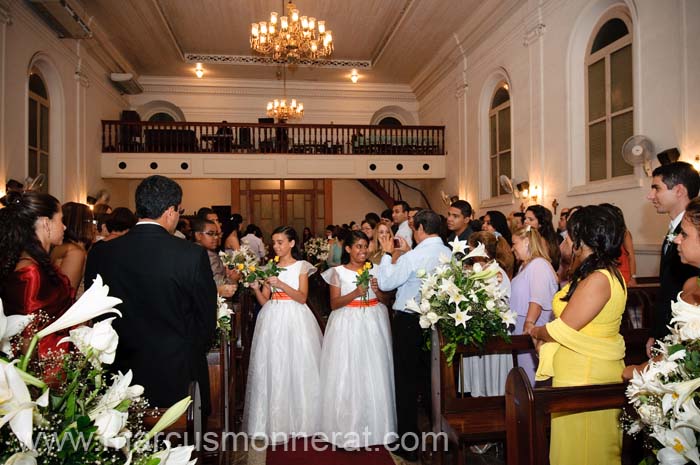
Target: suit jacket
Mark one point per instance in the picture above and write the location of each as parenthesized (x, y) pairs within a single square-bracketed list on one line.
[(168, 311), (672, 275)]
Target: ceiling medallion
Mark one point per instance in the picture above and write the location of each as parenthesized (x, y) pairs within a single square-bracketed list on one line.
[(290, 38)]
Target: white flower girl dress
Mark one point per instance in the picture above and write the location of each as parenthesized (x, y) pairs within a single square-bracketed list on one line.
[(358, 408), (283, 391)]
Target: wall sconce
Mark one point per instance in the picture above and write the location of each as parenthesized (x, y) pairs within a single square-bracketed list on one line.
[(354, 76), (535, 193), (696, 163), (524, 189), (199, 71)]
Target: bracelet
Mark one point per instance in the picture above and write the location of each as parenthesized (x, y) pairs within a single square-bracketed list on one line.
[(531, 322)]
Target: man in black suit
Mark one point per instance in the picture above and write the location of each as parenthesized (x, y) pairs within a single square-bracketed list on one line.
[(168, 294), (672, 187)]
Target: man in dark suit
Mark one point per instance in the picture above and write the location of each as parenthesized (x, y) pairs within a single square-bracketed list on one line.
[(672, 187), (168, 294)]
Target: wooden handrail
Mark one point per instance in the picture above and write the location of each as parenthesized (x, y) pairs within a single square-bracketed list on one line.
[(343, 139)]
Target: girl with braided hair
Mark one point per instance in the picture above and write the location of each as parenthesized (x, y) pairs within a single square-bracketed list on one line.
[(583, 344), (30, 225)]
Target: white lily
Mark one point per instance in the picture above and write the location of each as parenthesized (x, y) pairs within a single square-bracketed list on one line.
[(16, 406), (424, 322), (118, 392), (99, 342), (444, 259), (412, 305), (679, 446), (458, 246), (93, 303), (461, 317), (11, 326), (688, 415), (169, 417), (509, 317), (175, 456), (222, 309), (684, 391), (420, 274), (478, 251)]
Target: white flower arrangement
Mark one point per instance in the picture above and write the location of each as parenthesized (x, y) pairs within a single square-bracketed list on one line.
[(467, 304), (317, 250), (665, 393), (80, 413), (223, 316)]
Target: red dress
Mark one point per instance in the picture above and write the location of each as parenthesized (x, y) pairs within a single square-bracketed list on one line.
[(624, 265), (29, 290)]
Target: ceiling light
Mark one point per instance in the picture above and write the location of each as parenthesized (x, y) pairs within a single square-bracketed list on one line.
[(292, 37), (283, 110), (354, 76), (199, 71)]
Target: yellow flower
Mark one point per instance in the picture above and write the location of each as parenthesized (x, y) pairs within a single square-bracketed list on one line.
[(359, 271), (251, 268), (368, 265), (240, 266), (277, 258)]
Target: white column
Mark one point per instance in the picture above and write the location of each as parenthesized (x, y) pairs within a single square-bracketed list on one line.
[(5, 19)]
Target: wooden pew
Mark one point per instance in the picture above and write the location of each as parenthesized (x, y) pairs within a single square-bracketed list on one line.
[(467, 419), (528, 413)]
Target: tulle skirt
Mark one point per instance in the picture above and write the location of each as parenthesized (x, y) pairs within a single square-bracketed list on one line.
[(358, 407), (283, 391)]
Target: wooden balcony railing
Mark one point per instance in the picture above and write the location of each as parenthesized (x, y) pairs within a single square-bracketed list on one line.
[(345, 139)]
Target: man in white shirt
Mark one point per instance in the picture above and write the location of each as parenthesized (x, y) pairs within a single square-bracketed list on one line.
[(399, 214), (672, 187), (411, 363)]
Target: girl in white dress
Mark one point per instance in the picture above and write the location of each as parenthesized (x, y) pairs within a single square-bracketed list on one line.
[(283, 393), (358, 408)]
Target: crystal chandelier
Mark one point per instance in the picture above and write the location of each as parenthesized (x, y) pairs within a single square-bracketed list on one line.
[(291, 38), (280, 109)]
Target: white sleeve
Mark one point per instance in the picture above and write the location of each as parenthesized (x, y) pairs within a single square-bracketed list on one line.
[(392, 275)]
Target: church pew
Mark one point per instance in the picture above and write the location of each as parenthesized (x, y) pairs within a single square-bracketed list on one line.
[(528, 413), (467, 420)]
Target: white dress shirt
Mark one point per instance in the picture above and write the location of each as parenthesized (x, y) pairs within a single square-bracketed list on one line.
[(402, 274), (405, 232), (255, 244)]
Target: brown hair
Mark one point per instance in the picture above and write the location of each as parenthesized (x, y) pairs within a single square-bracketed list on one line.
[(692, 212), (78, 219), (497, 248)]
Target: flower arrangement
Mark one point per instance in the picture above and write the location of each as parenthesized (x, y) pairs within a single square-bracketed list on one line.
[(79, 413), (317, 250), (467, 304), (223, 317), (363, 279), (242, 260), (665, 393)]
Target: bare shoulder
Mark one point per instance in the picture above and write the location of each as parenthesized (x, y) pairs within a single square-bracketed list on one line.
[(691, 291)]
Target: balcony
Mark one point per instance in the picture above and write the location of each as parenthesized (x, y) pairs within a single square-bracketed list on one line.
[(226, 150)]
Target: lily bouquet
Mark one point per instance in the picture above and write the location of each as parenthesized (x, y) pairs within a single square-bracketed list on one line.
[(242, 260), (223, 317), (317, 250), (467, 304), (79, 413), (665, 393)]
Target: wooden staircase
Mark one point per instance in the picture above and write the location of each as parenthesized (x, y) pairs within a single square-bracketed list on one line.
[(386, 189)]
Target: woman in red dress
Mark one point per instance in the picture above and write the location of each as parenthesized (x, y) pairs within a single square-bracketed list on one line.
[(29, 284)]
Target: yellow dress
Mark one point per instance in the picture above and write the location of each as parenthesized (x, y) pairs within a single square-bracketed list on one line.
[(588, 438)]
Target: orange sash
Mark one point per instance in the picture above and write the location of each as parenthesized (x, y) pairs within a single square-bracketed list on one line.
[(280, 296), (360, 303)]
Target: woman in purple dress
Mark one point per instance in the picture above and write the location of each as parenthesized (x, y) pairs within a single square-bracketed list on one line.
[(532, 289)]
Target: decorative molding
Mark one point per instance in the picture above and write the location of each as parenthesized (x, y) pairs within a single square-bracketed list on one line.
[(255, 60), (533, 34), (615, 184), (461, 90)]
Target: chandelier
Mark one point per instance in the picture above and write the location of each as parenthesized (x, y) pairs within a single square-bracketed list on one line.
[(291, 38), (280, 109)]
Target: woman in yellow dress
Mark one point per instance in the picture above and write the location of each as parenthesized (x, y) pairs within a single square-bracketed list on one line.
[(583, 344)]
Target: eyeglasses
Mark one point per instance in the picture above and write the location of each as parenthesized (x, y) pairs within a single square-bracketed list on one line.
[(210, 233)]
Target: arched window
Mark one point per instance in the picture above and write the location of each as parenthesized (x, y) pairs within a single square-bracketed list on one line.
[(38, 136), (389, 121), (610, 96), (161, 117), (499, 137)]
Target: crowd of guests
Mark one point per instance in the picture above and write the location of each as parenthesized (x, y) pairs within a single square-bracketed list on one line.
[(567, 284)]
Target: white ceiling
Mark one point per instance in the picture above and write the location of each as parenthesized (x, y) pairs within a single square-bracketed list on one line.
[(399, 37)]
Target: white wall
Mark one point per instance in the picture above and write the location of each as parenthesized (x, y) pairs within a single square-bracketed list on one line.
[(77, 105), (536, 63)]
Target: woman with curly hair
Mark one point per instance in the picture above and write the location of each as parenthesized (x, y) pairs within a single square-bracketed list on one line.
[(71, 255), (583, 344), (29, 283)]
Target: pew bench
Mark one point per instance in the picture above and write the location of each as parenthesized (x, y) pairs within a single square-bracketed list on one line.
[(528, 413), (464, 419)]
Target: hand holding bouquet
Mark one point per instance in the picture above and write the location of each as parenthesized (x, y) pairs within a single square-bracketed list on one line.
[(363, 280)]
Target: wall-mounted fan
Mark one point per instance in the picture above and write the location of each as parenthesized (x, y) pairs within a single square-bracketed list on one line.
[(638, 151), (507, 186)]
